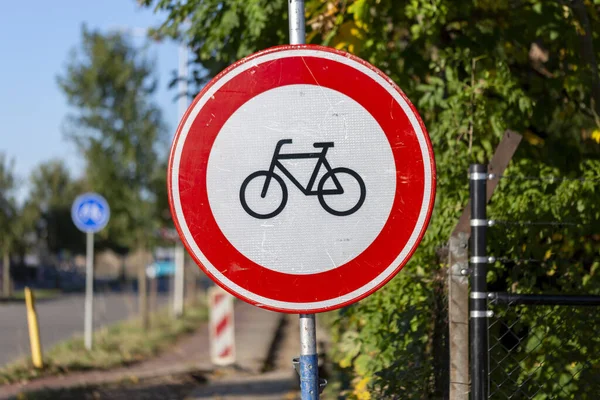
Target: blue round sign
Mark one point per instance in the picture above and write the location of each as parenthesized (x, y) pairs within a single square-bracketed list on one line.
[(90, 212)]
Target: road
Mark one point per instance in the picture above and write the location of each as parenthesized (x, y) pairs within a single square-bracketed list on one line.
[(59, 319), (261, 338)]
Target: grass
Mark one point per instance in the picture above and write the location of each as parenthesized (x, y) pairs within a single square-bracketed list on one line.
[(40, 294), (176, 386), (121, 344)]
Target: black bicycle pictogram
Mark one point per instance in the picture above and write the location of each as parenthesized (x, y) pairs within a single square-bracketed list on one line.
[(320, 192)]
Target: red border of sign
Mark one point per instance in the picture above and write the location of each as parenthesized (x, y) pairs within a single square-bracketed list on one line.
[(370, 263)]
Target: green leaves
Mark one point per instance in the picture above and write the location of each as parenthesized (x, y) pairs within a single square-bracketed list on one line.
[(118, 129), (473, 71), (8, 207), (360, 11), (49, 206), (221, 32), (16, 220)]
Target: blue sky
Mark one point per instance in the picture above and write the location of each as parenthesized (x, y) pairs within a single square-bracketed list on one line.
[(36, 39)]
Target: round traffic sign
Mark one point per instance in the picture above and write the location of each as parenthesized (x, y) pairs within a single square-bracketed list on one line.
[(90, 212), (301, 179)]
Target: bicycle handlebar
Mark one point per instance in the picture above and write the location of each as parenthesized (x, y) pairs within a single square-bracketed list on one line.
[(281, 143), (318, 145), (323, 144)]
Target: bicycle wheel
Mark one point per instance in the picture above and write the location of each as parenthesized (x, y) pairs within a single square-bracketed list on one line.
[(263, 209), (338, 171)]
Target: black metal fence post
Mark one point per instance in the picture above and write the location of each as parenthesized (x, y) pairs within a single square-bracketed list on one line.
[(478, 312)]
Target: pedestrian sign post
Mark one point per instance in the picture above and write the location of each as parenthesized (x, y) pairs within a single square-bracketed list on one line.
[(90, 213), (301, 179)]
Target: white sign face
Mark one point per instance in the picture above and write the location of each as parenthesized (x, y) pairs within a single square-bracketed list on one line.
[(303, 238), (301, 179)]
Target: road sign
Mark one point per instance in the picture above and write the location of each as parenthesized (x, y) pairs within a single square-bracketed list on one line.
[(221, 326), (90, 212), (301, 179)]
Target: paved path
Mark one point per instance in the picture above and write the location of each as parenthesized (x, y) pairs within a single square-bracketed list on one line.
[(276, 385), (255, 330), (59, 319), (279, 384)]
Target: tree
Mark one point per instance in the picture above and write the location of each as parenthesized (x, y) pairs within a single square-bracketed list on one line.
[(15, 222), (120, 131), (7, 219), (221, 32), (473, 71), (49, 203)]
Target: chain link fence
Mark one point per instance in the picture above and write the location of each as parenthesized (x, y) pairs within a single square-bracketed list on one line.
[(543, 352)]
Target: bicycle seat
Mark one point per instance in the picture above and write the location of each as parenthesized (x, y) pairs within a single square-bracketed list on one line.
[(323, 145)]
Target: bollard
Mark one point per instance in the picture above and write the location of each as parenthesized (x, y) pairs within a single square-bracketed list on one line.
[(34, 330)]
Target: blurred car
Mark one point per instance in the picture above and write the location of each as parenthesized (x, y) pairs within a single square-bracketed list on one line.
[(160, 269)]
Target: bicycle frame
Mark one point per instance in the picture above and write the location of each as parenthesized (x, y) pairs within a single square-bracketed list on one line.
[(308, 190)]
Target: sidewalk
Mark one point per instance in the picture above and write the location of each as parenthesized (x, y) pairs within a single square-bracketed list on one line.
[(255, 330), (280, 383), (277, 385)]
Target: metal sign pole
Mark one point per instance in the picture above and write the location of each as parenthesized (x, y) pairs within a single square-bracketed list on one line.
[(309, 366), (297, 23), (179, 280), (309, 363), (478, 296), (89, 291), (178, 292)]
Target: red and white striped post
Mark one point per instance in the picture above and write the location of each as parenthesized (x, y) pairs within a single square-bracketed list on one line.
[(222, 333)]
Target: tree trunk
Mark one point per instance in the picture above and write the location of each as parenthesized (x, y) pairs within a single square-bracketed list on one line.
[(153, 294), (143, 291), (191, 277), (6, 279)]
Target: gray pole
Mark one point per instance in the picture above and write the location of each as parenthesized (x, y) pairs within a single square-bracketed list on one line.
[(182, 84), (309, 362), (297, 23), (89, 291), (179, 255), (6, 279), (309, 366), (179, 281)]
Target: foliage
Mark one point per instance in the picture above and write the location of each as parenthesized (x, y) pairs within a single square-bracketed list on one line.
[(556, 348), (15, 221), (40, 294), (49, 206), (473, 71), (119, 130), (7, 203), (221, 32), (120, 344), (544, 352)]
